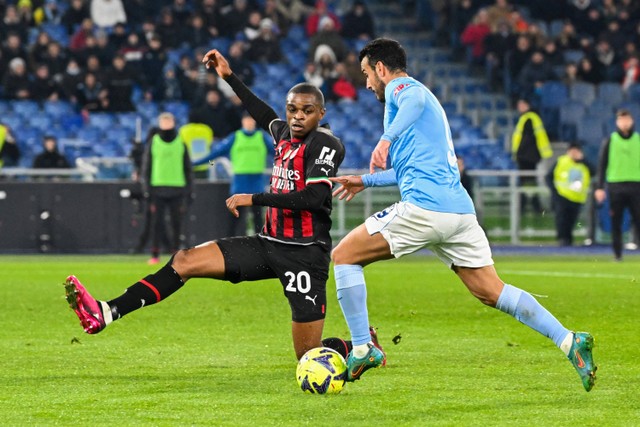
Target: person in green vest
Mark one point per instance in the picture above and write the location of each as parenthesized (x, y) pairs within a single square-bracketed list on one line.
[(529, 145), (248, 150), (167, 181), (9, 151), (619, 176), (569, 180), (198, 138)]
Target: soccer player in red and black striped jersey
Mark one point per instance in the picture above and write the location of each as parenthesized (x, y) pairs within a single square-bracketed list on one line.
[(294, 243)]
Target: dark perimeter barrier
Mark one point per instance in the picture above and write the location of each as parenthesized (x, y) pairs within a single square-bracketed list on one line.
[(77, 217)]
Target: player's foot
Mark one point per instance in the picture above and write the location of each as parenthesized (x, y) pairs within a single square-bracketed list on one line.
[(356, 366), (582, 359), (84, 305), (374, 338), (153, 260)]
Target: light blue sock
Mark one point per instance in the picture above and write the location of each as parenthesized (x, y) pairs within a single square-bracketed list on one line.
[(352, 296), (526, 309)]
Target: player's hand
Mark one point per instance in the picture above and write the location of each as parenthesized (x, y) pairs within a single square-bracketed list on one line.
[(350, 186), (238, 200), (214, 59), (600, 195), (379, 156)]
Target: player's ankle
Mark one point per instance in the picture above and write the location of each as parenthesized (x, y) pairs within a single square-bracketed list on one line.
[(361, 350)]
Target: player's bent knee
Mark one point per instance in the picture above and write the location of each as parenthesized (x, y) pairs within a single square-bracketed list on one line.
[(343, 257)]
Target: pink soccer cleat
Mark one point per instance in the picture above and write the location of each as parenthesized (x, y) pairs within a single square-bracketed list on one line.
[(84, 305)]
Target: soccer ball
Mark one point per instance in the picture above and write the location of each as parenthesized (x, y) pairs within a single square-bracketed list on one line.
[(321, 371)]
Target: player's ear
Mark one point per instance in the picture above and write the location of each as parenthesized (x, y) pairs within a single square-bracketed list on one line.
[(323, 111), (381, 69)]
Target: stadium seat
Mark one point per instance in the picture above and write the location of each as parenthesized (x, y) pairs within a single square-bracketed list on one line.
[(30, 136), (149, 110), (90, 134), (583, 92), (72, 121), (610, 92), (57, 32), (590, 130), (42, 122), (570, 115), (553, 94), (102, 121), (600, 107), (57, 109), (25, 108), (555, 28), (177, 108), (573, 56), (14, 121), (633, 93)]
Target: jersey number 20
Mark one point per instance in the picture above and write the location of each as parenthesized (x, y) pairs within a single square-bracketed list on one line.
[(300, 282)]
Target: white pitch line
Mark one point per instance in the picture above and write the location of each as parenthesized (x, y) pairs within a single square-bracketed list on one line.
[(628, 277)]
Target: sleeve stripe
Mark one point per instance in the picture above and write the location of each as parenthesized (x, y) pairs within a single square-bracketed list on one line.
[(271, 130), (318, 180)]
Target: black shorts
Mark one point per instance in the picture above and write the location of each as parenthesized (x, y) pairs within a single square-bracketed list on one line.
[(302, 270)]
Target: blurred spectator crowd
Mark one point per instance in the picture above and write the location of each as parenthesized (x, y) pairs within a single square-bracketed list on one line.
[(522, 44), (125, 56)]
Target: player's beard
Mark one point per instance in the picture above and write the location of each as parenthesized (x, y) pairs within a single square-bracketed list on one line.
[(378, 88)]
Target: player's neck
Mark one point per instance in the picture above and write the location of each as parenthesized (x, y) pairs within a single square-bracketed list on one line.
[(392, 76)]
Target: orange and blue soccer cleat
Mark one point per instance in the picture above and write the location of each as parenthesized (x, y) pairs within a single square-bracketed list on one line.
[(356, 366), (581, 358)]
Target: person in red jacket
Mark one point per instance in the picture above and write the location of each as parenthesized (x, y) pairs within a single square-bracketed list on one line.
[(474, 34), (313, 21)]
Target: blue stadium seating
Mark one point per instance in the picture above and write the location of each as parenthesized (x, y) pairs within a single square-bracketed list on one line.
[(42, 122), (14, 121), (4, 106), (610, 92), (573, 56), (179, 109), (25, 108), (583, 92), (590, 130), (570, 115), (149, 110), (633, 93), (102, 121), (90, 134), (553, 94), (57, 109)]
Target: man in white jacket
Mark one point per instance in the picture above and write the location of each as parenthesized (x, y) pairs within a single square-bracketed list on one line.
[(107, 13)]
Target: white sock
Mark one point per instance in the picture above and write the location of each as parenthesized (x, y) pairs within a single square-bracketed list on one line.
[(567, 342), (106, 312), (361, 350)]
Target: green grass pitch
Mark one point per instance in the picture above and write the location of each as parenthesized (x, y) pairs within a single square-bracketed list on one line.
[(217, 354)]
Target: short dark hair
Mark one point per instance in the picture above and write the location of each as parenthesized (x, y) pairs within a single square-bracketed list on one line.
[(388, 51), (310, 89), (623, 112)]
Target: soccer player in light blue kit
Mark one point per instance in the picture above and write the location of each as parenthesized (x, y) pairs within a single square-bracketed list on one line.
[(435, 212)]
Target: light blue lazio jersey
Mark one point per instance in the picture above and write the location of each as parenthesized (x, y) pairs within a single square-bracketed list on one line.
[(421, 151)]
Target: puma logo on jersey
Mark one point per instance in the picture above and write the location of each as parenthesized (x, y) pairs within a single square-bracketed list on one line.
[(313, 300), (326, 171)]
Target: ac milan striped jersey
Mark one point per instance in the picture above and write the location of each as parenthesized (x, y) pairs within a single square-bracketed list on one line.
[(297, 164)]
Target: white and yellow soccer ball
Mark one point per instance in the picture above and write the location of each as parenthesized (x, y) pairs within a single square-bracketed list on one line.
[(321, 371)]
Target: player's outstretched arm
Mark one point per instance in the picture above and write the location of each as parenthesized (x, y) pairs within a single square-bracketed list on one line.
[(238, 200), (215, 59), (259, 110), (350, 186)]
